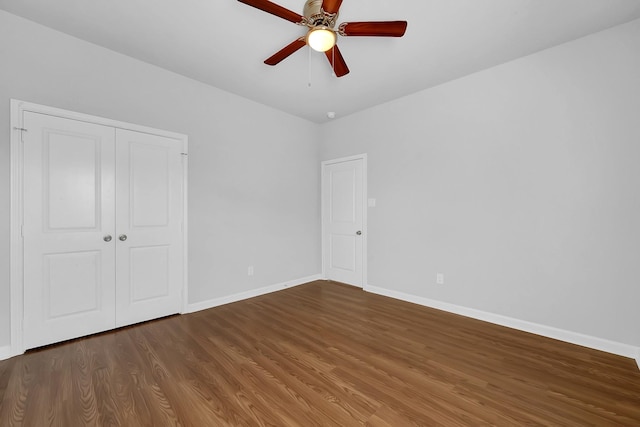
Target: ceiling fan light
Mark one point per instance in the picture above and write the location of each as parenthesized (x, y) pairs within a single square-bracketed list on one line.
[(321, 38)]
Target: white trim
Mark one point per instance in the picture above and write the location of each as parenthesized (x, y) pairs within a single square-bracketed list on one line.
[(365, 193), (22, 106), (522, 325), (5, 352), (16, 250), (365, 216), (185, 225), (16, 247), (204, 305)]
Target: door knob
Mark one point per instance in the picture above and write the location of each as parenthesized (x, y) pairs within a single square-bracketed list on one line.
[(122, 237), (359, 232), (107, 238)]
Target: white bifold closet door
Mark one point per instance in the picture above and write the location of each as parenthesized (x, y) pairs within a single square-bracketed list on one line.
[(103, 242)]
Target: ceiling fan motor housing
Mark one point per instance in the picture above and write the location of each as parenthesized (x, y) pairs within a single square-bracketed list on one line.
[(316, 16)]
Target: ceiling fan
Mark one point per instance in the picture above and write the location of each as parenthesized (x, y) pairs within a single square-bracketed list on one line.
[(321, 16)]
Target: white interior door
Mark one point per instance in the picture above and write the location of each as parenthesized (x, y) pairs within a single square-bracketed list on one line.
[(149, 180), (68, 198), (343, 220)]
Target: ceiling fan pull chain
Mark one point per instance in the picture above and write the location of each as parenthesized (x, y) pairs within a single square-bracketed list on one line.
[(309, 66)]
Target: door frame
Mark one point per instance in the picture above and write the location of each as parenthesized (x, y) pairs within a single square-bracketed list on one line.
[(365, 233), (16, 277)]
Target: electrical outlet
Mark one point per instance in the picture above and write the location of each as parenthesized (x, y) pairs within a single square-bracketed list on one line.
[(250, 270), (440, 278)]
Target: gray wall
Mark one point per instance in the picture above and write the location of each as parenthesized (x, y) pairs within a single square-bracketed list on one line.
[(519, 183), (253, 171)]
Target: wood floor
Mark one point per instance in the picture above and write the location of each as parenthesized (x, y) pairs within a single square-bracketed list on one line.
[(320, 354)]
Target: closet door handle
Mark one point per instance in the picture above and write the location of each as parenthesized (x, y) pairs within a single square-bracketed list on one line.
[(107, 238), (122, 237)]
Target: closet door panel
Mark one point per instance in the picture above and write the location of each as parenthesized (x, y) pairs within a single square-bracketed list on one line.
[(149, 180), (69, 185)]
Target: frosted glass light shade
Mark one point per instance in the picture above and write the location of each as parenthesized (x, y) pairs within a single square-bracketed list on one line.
[(321, 39)]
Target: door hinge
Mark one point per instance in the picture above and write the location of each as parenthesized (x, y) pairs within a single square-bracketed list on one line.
[(22, 131), (21, 230)]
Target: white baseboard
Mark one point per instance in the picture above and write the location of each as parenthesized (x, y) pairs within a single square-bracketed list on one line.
[(534, 328), (203, 305), (5, 352)]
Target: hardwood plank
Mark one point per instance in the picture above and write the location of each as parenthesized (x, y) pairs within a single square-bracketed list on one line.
[(317, 355)]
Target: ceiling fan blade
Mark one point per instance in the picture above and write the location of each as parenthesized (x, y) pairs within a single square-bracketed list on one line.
[(331, 6), (286, 51), (275, 9), (373, 29), (337, 62)]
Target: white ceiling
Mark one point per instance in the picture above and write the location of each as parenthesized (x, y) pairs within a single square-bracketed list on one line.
[(223, 43)]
